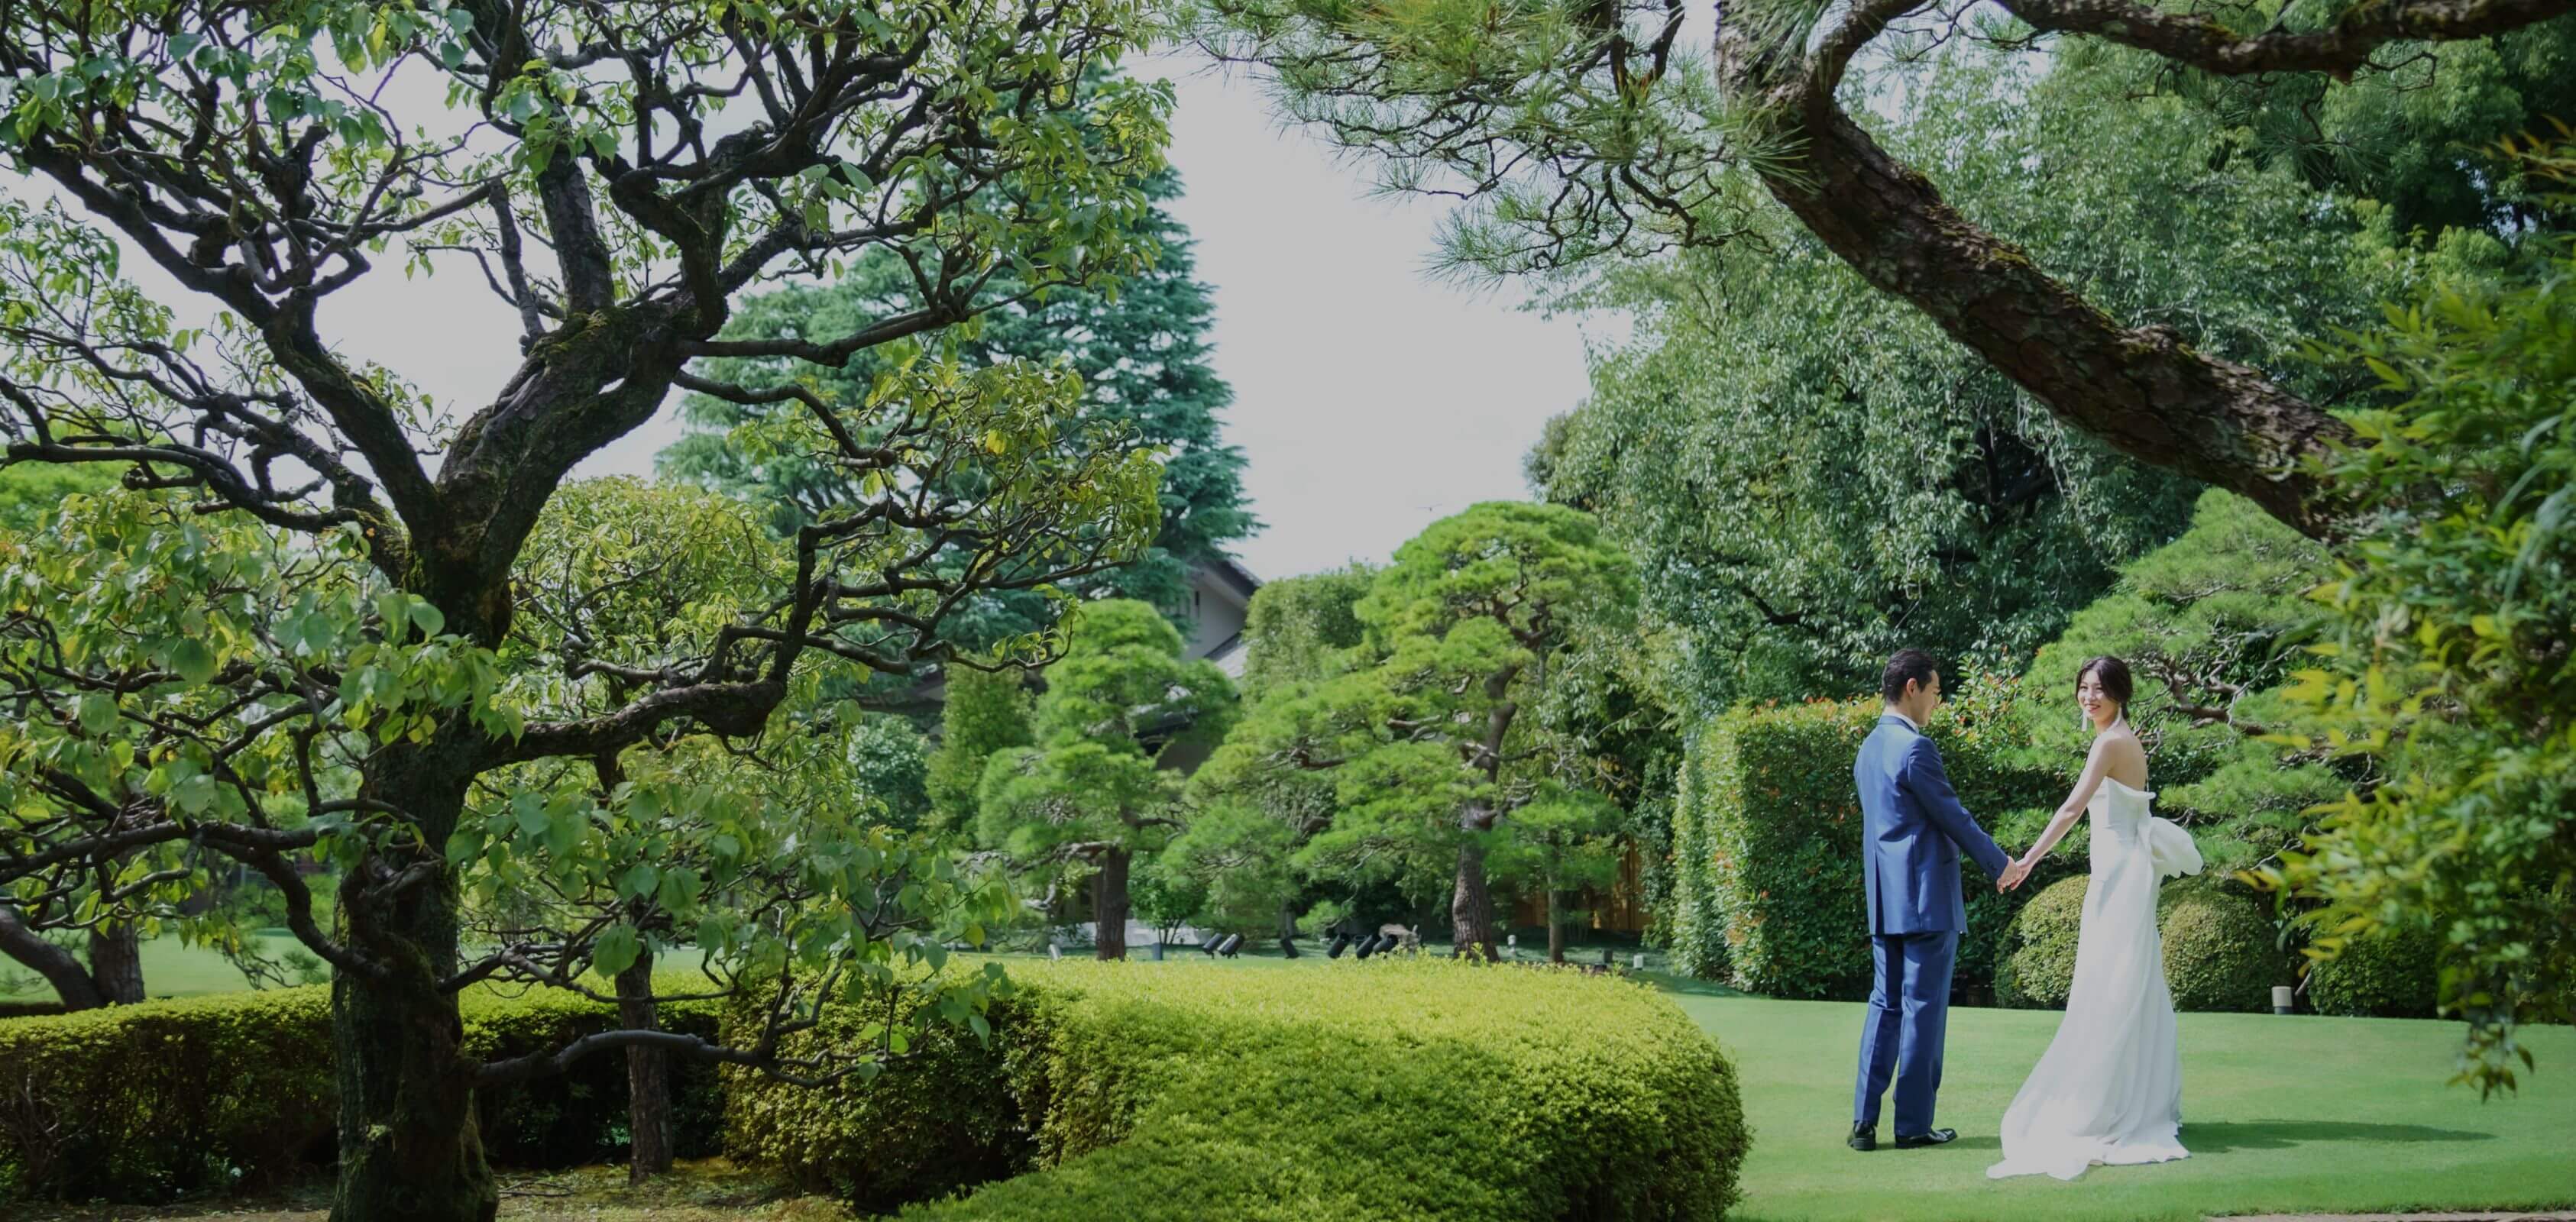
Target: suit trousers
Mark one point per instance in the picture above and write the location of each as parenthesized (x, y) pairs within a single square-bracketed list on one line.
[(1908, 1016)]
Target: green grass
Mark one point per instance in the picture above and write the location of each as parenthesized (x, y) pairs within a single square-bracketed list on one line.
[(170, 969), (2281, 1114)]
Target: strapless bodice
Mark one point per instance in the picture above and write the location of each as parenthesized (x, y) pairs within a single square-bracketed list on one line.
[(2120, 812)]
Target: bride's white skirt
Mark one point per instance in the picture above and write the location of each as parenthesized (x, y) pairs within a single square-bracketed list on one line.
[(2109, 1089)]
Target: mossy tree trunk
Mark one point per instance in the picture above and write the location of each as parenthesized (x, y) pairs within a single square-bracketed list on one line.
[(116, 963), (410, 1150)]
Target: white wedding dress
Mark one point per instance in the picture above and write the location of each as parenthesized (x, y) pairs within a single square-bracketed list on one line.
[(2109, 1089)]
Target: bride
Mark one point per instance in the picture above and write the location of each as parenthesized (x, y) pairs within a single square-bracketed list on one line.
[(2109, 1088)]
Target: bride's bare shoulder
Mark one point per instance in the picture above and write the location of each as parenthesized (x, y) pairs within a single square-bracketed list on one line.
[(2122, 754)]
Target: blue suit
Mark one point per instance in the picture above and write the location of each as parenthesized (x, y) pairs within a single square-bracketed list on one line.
[(1913, 831)]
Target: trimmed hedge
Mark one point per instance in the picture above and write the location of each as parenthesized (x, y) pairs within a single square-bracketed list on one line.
[(2221, 951), (2037, 968), (1767, 891), (2219, 948), (149, 1101), (2393, 973), (1409, 1090)]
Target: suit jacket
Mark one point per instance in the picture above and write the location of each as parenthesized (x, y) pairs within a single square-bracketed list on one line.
[(1913, 832)]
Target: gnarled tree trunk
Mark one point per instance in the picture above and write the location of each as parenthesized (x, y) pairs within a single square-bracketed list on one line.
[(410, 1150), (1109, 903), (60, 968)]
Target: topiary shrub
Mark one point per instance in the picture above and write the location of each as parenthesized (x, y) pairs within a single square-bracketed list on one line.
[(2037, 966), (1767, 888), (146, 1102), (2221, 952), (2392, 973), (1421, 1090), (2219, 948)]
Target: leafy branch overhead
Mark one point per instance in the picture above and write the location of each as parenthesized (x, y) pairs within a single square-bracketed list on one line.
[(1571, 131)]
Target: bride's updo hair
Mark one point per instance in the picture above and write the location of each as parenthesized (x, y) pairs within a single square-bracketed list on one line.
[(2114, 675)]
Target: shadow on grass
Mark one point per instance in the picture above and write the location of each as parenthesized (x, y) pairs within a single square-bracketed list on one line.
[(2222, 1136)]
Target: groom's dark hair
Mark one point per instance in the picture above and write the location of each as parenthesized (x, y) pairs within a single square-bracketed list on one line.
[(1908, 664)]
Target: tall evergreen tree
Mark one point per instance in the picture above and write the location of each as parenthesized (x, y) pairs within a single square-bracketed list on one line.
[(1142, 352)]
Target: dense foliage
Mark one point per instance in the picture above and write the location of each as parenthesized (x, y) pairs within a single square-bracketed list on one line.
[(1378, 1090), (2211, 625), (2450, 624), (1140, 349), (1433, 765), (1092, 794)]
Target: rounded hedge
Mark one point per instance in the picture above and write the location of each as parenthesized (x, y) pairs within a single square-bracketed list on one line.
[(2392, 973), (2037, 964), (1422, 1090), (2219, 949), (2221, 952)]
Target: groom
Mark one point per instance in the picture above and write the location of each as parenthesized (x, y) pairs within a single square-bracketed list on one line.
[(1913, 832)]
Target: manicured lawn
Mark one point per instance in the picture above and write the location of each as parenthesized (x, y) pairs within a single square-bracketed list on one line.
[(2281, 1115), (170, 969)]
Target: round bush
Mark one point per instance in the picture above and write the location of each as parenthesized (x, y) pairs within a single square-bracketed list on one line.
[(2037, 965), (2388, 974), (2220, 950)]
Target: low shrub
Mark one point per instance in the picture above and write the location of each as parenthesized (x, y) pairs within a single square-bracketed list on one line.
[(1767, 887), (150, 1101), (2219, 948), (1407, 1090), (2037, 966), (2390, 974)]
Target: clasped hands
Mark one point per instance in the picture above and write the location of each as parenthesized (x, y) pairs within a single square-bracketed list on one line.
[(2017, 871)]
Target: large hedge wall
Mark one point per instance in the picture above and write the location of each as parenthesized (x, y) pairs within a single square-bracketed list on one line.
[(1404, 1090), (1767, 892), (148, 1101)]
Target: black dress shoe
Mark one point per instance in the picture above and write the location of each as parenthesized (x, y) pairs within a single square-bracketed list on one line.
[(1864, 1137), (1937, 1137)]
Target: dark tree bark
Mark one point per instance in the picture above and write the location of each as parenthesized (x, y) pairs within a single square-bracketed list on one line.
[(116, 963), (60, 968), (648, 1075), (1109, 903), (410, 1150), (1471, 906), (1555, 925)]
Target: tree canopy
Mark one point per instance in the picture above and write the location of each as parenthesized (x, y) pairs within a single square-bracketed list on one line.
[(303, 631)]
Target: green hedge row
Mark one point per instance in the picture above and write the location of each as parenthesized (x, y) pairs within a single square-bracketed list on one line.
[(1405, 1090), (1767, 891), (2221, 950), (148, 1101)]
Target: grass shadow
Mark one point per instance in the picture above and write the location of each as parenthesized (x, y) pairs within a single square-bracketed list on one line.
[(2221, 1136), (1687, 986)]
